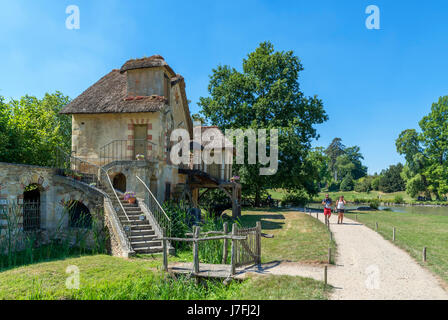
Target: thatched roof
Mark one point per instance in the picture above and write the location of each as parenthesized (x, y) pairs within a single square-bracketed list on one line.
[(151, 62), (109, 95)]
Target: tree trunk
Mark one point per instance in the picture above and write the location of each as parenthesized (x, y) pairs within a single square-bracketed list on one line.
[(257, 198)]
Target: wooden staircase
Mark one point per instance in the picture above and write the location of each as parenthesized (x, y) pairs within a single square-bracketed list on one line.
[(142, 235)]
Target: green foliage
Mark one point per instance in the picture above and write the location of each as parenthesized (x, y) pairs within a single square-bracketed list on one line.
[(376, 183), (426, 153), (364, 184), (183, 222), (415, 185), (266, 95), (18, 248), (347, 184), (398, 199), (374, 203), (391, 179), (298, 198), (215, 201), (334, 186), (31, 129), (333, 151), (343, 161)]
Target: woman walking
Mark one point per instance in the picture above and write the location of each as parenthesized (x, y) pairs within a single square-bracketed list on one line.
[(340, 205)]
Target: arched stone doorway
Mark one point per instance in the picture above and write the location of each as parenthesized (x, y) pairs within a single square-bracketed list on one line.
[(119, 182), (79, 215), (31, 207)]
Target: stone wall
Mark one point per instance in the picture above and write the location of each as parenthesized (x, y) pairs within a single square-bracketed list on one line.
[(55, 193)]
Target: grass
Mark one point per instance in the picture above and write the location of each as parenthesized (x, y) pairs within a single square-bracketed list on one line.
[(413, 232), (351, 195), (105, 277), (297, 236)]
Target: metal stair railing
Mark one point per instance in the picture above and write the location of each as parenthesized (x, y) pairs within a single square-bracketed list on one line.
[(84, 171), (117, 150), (157, 211)]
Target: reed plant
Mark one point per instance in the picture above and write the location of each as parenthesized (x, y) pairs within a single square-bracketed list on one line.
[(19, 247)]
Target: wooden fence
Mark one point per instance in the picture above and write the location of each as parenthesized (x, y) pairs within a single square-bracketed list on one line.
[(245, 245)]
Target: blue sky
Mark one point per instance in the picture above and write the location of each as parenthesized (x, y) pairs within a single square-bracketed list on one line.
[(374, 83)]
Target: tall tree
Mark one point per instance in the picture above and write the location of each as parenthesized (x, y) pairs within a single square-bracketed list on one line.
[(391, 179), (434, 139), (355, 157), (34, 129), (266, 95), (334, 150), (426, 153)]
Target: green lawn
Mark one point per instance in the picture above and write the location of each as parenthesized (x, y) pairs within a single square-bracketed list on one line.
[(297, 236), (413, 232), (106, 277), (351, 195)]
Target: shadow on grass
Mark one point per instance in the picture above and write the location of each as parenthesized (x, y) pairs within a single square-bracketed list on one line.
[(263, 209), (249, 221)]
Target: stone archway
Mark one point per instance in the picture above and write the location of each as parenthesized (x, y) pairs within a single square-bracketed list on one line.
[(119, 182), (79, 215), (32, 207)]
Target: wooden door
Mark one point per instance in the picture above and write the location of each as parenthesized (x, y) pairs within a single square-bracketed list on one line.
[(140, 134)]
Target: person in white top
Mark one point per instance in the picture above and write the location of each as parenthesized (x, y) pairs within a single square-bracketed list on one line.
[(340, 205)]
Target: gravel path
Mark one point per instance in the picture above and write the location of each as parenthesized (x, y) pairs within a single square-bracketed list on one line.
[(367, 267)]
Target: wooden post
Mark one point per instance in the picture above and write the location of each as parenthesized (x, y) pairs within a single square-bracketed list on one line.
[(226, 244), (196, 250), (233, 252), (325, 274), (165, 255), (317, 215), (393, 234), (424, 254), (356, 217), (376, 226), (331, 236), (329, 255), (258, 242)]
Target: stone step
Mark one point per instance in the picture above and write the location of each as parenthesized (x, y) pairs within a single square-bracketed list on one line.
[(132, 209), (141, 227), (131, 218), (136, 222), (142, 238), (134, 214), (149, 250), (145, 244), (139, 233)]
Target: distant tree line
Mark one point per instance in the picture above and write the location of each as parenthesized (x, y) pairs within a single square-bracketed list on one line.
[(341, 169)]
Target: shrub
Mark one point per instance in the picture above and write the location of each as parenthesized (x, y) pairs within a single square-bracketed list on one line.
[(347, 183), (374, 203), (298, 198), (398, 199), (333, 187)]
